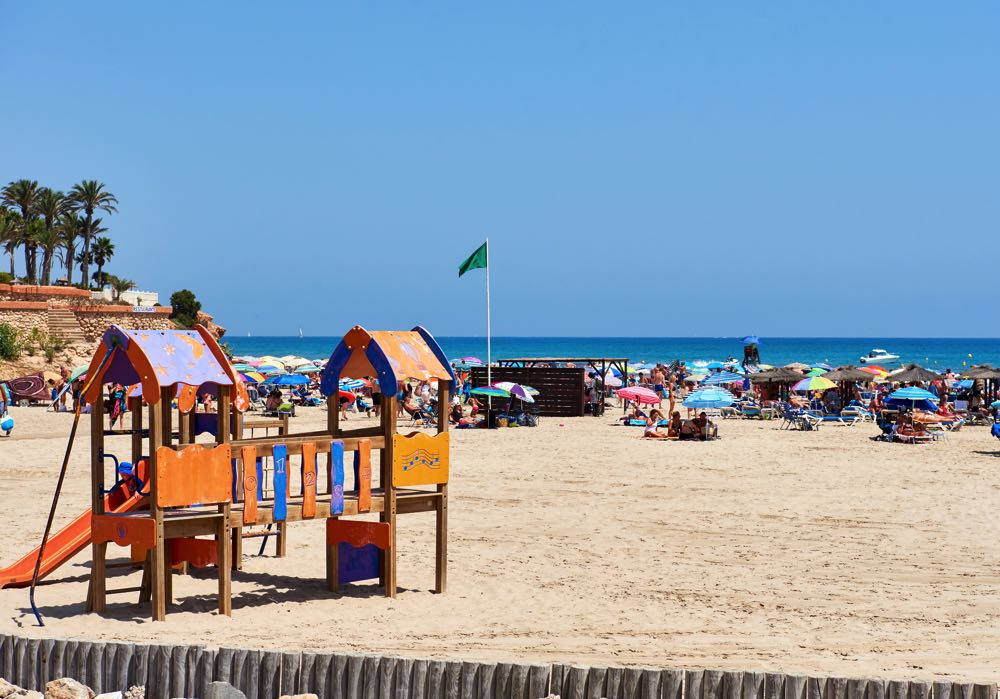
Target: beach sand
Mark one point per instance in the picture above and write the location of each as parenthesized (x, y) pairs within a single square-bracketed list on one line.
[(821, 552)]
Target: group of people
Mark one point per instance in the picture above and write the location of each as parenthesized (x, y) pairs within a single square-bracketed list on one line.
[(659, 427)]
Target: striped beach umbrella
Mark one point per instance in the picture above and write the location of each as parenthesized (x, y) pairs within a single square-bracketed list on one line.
[(707, 398), (721, 378), (814, 383)]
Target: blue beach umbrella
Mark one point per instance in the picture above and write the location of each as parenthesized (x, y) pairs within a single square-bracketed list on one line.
[(490, 391), (270, 369), (913, 398), (721, 378), (709, 398), (288, 380), (751, 340), (351, 384), (715, 365)]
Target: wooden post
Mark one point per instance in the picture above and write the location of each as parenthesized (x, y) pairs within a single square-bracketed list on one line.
[(167, 411), (441, 524), (224, 532), (158, 569), (97, 594), (333, 414), (388, 421), (135, 410)]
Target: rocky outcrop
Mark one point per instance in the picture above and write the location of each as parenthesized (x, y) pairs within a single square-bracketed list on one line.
[(211, 325)]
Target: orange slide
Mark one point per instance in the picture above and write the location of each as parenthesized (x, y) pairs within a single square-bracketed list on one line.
[(68, 541)]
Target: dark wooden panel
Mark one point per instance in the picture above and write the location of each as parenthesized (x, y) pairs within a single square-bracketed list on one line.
[(560, 390)]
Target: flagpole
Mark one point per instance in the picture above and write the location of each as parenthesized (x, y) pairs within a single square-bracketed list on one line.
[(489, 357)]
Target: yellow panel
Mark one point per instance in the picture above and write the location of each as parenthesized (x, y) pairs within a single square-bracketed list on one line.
[(420, 459)]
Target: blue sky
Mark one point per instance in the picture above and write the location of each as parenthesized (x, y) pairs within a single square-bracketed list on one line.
[(647, 169)]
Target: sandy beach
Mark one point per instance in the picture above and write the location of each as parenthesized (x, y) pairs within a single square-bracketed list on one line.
[(578, 541)]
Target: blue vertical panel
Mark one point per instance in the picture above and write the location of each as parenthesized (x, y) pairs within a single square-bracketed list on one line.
[(354, 564), (337, 477), (280, 482)]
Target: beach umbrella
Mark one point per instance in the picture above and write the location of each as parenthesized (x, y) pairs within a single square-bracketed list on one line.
[(695, 377), (817, 371), (490, 392), (798, 365), (709, 398), (510, 385), (243, 366), (293, 362), (814, 383), (255, 375), (848, 374), (983, 371), (270, 369), (308, 369), (268, 359), (721, 378), (715, 365), (821, 365), (638, 394), (913, 372), (913, 397), (351, 384), (248, 379), (777, 375), (750, 340), (78, 372), (964, 384), (288, 380), (471, 361)]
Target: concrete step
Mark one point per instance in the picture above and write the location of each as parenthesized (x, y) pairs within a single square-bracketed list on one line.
[(63, 322)]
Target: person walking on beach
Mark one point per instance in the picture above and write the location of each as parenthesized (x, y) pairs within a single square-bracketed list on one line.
[(658, 378)]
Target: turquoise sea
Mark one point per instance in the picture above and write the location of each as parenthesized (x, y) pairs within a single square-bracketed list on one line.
[(935, 353)]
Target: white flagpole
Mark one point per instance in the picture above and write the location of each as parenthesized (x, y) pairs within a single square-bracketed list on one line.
[(489, 357)]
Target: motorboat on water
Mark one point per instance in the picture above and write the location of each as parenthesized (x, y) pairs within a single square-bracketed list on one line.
[(878, 356)]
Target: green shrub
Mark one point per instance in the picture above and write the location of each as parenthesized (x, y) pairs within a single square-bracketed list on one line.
[(10, 342), (185, 308), (6, 277), (52, 345), (34, 341)]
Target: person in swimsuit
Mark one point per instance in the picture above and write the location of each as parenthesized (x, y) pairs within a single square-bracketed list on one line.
[(652, 430)]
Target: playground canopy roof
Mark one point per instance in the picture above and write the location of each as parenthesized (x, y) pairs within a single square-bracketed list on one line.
[(390, 355), (155, 359)]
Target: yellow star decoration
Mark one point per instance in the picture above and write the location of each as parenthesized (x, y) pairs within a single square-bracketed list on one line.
[(169, 349), (161, 370)]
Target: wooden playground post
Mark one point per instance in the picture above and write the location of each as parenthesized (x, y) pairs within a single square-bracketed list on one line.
[(135, 411), (158, 564), (388, 424), (441, 513), (222, 538), (97, 592), (167, 430)]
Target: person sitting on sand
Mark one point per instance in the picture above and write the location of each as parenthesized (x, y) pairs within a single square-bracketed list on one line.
[(635, 414), (473, 406), (456, 415), (706, 428), (675, 425), (652, 430)]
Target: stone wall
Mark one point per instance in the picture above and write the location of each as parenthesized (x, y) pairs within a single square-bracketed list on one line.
[(24, 316), (63, 295), (94, 320)]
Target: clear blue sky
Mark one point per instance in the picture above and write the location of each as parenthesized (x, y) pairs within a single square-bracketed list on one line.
[(318, 165)]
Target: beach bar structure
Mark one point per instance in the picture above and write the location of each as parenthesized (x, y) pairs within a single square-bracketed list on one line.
[(179, 504), (559, 380)]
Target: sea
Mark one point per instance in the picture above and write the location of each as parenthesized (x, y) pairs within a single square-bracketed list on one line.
[(933, 353)]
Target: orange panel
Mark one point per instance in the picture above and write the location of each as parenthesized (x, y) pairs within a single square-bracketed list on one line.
[(201, 553), (123, 530), (420, 459), (308, 481), (249, 455), (193, 476), (187, 397), (357, 533), (364, 484)]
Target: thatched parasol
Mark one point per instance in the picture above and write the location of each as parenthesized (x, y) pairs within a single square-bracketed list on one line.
[(798, 365), (983, 371), (913, 372), (848, 374), (777, 375)]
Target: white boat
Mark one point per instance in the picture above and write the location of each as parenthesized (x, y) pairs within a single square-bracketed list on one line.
[(878, 356)]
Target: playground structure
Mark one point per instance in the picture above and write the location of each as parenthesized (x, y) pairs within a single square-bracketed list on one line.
[(179, 503)]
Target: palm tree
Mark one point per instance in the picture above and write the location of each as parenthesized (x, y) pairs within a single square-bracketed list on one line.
[(23, 194), (51, 205), (89, 196), (102, 251), (47, 240), (10, 235), (119, 286), (71, 227)]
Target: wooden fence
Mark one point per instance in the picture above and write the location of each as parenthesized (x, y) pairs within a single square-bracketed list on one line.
[(560, 390), (186, 671)]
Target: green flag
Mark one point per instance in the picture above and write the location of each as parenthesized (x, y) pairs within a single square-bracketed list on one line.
[(476, 260)]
